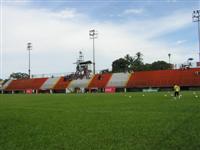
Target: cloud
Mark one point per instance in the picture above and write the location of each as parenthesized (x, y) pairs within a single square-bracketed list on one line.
[(58, 36), (179, 42), (156, 27), (65, 14), (172, 1), (133, 11), (15, 2)]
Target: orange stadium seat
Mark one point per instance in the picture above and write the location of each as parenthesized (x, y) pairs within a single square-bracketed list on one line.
[(100, 80), (61, 84), (164, 78), (24, 84)]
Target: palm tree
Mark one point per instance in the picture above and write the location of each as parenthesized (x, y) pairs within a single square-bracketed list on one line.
[(139, 56)]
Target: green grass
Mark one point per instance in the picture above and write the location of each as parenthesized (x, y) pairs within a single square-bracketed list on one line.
[(99, 122)]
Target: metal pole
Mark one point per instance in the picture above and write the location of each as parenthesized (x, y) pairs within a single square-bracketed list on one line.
[(199, 36), (169, 55), (196, 18), (29, 47), (93, 57), (29, 64), (93, 36)]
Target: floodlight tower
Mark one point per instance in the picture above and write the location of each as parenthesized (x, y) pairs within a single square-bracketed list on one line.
[(29, 48), (196, 18), (189, 63), (93, 35)]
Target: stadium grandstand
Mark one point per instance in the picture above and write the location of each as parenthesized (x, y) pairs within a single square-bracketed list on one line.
[(162, 79), (82, 80)]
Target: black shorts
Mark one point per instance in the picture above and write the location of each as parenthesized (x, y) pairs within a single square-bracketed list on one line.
[(176, 93)]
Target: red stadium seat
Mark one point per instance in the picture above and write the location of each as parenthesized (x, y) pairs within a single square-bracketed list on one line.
[(100, 80), (62, 84), (164, 78), (24, 84)]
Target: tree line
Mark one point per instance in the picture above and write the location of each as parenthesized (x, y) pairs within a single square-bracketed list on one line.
[(135, 63)]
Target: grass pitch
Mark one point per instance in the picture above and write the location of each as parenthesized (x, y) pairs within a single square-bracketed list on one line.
[(124, 121)]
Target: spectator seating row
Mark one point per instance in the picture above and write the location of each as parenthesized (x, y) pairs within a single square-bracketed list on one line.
[(119, 80), (164, 78), (143, 79), (24, 84), (100, 80), (49, 83), (62, 84)]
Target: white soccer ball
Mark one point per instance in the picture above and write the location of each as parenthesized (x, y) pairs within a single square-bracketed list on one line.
[(130, 96), (196, 96), (143, 95), (165, 95)]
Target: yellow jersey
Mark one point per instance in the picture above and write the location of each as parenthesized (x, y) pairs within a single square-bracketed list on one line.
[(177, 88)]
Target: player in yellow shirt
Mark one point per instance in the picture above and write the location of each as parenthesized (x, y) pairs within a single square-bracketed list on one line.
[(177, 91)]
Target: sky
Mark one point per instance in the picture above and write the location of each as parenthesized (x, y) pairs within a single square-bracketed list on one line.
[(59, 29)]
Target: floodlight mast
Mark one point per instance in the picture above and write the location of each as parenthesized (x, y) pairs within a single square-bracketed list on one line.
[(196, 18), (93, 35), (29, 48)]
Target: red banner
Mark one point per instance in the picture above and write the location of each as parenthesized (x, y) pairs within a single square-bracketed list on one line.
[(29, 91), (110, 90)]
